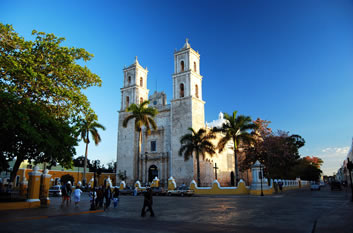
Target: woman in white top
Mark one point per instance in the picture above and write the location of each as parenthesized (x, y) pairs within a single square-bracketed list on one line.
[(77, 195)]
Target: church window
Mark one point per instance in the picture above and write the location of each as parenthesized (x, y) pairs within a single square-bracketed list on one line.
[(181, 90), (182, 66), (129, 80), (141, 82), (141, 100), (195, 67), (197, 91), (127, 101), (153, 146), (155, 102)]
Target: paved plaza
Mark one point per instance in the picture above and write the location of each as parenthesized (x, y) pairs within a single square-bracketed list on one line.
[(293, 211)]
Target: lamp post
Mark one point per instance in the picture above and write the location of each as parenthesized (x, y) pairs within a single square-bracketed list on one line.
[(350, 168), (93, 206), (146, 154)]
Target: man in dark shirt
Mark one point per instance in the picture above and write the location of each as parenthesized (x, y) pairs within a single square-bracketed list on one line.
[(147, 202)]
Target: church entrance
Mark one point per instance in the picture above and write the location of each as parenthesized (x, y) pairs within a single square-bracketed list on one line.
[(152, 172)]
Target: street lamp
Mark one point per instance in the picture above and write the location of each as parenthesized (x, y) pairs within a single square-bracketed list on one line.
[(93, 206)]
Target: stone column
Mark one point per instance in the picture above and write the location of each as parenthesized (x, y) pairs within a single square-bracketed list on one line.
[(34, 186), (44, 189)]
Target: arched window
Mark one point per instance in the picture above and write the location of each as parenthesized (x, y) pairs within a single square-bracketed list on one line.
[(129, 80), (195, 67), (141, 82), (181, 90), (182, 66), (141, 100), (197, 91), (127, 101)]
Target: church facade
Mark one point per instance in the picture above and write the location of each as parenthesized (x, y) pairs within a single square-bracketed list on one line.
[(159, 155)]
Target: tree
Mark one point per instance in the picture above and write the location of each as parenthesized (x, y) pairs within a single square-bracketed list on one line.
[(236, 130), (86, 127), (278, 152), (198, 143), (315, 161), (45, 72), (65, 178), (29, 132), (306, 170), (143, 116), (79, 161)]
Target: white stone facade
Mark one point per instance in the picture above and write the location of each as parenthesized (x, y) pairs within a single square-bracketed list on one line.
[(159, 150)]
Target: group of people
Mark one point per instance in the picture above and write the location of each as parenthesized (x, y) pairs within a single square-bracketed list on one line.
[(98, 195), (66, 192), (103, 196)]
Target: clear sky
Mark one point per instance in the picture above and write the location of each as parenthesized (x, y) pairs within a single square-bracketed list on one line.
[(289, 62)]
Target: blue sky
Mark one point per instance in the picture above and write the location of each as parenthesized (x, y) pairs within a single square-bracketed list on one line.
[(290, 62)]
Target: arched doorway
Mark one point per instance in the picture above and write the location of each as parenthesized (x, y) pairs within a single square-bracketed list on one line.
[(152, 172)]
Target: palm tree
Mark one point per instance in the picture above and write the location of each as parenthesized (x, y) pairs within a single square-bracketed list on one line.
[(198, 142), (143, 116), (236, 129), (88, 126)]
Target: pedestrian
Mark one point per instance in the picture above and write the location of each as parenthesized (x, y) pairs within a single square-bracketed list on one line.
[(77, 195), (66, 193), (135, 191), (100, 197), (280, 184), (116, 196), (108, 197), (92, 196), (147, 202)]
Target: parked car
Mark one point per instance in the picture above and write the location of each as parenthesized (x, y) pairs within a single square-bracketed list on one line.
[(158, 191), (181, 191), (336, 185), (315, 186), (55, 190)]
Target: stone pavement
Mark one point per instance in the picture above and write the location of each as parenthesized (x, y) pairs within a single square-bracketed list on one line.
[(293, 211)]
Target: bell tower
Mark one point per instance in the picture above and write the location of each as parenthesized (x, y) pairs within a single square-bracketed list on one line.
[(187, 106), (135, 85), (134, 91)]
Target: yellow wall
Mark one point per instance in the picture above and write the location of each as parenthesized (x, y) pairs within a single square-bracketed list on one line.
[(77, 175)]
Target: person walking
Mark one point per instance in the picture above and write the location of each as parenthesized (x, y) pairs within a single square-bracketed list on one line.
[(116, 196), (93, 196), (108, 197), (66, 193), (147, 202), (77, 195), (100, 197)]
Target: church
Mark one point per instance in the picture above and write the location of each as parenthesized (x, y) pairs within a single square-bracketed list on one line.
[(159, 155)]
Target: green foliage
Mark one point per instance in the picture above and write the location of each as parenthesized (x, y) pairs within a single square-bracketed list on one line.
[(143, 116), (236, 129), (198, 143), (86, 127), (45, 72), (305, 170), (65, 178), (28, 132), (79, 161)]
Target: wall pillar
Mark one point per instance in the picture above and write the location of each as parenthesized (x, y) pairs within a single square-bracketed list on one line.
[(44, 189), (34, 186)]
